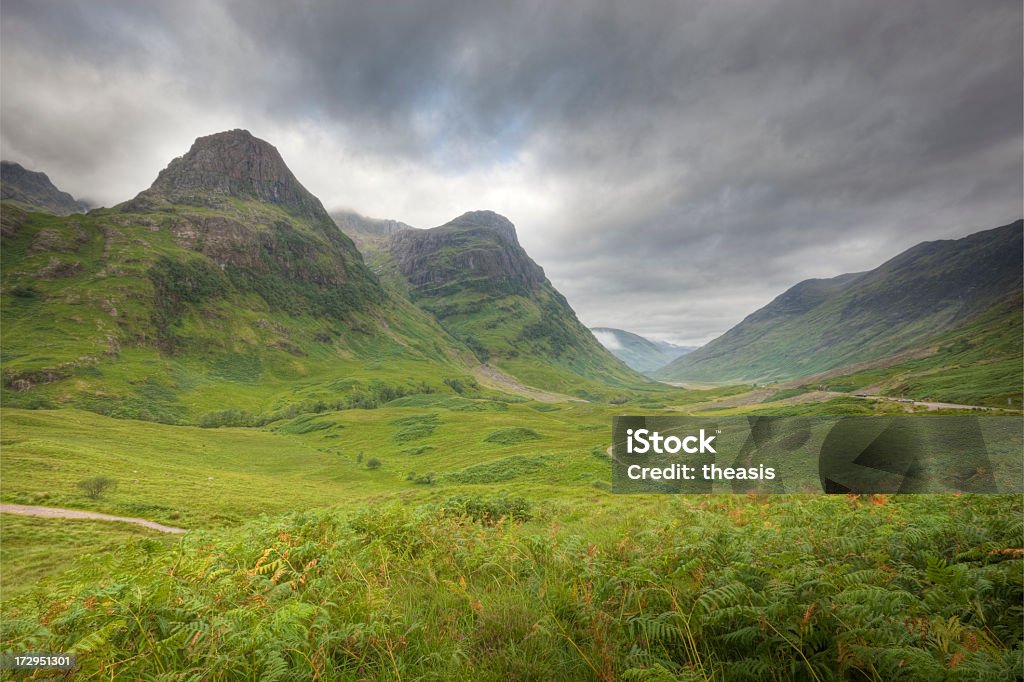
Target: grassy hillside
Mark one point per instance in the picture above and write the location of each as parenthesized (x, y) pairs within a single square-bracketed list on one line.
[(977, 364), (904, 310), (108, 312)]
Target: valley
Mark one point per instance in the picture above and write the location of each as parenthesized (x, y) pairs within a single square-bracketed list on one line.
[(389, 451)]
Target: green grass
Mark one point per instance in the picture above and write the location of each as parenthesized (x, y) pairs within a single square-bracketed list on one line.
[(209, 477), (32, 549), (501, 470), (415, 427), (785, 394)]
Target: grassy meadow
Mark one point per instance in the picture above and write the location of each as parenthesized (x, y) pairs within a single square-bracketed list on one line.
[(483, 543)]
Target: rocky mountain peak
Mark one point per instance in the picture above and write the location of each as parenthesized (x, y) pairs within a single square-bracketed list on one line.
[(236, 164), (488, 219), (479, 246)]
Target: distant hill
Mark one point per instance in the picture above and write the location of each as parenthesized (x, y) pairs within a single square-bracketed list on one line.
[(360, 228), (962, 293), (643, 355), (33, 191), (474, 277)]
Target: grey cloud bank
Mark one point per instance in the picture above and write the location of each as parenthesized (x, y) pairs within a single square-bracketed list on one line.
[(672, 165)]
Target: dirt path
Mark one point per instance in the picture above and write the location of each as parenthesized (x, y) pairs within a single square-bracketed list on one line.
[(764, 395), (495, 378), (57, 513), (934, 406)]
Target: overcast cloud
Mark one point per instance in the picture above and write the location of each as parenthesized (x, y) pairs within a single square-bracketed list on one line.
[(672, 165)]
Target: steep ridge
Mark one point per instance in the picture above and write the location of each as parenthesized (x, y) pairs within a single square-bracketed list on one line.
[(476, 279), (33, 191), (224, 293), (903, 308), (639, 353)]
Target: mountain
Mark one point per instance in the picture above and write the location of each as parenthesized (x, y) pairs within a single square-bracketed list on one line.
[(224, 293), (222, 169), (33, 191), (926, 302), (643, 355), (475, 278)]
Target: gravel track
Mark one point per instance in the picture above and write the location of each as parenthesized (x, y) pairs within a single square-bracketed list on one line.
[(58, 513)]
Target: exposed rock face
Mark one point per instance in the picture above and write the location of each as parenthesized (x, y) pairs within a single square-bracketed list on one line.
[(488, 219), (35, 192), (230, 164), (478, 246), (222, 199)]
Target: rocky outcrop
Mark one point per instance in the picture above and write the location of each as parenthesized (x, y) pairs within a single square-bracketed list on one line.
[(480, 246), (232, 164), (34, 191)]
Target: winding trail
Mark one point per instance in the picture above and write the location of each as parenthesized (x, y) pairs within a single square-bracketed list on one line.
[(933, 405), (58, 513), (495, 378)]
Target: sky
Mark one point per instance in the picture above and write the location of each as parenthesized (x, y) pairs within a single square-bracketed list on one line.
[(673, 166)]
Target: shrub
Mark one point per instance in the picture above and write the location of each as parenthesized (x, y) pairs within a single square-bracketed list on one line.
[(418, 450), (504, 469), (229, 417), (462, 385), (95, 486), (373, 463), (512, 436), (25, 292), (489, 510), (429, 478)]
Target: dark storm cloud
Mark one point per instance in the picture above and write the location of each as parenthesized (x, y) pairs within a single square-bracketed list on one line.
[(672, 165)]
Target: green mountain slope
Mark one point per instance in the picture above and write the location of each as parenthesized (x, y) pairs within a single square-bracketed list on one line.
[(33, 191), (473, 276), (910, 307), (639, 353), (222, 293)]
